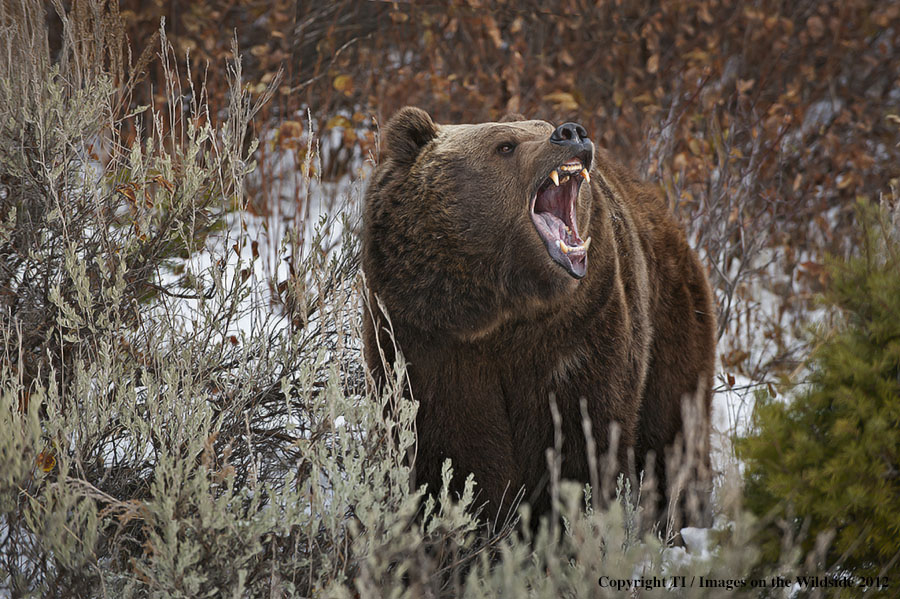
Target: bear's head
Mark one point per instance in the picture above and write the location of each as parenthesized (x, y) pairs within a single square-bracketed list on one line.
[(467, 226)]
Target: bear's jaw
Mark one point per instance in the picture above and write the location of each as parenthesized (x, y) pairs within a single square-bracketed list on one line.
[(553, 214)]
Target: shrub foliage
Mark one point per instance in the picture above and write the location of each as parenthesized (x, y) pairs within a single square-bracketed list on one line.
[(826, 466)]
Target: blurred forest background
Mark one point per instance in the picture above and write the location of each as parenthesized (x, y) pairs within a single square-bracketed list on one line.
[(184, 408)]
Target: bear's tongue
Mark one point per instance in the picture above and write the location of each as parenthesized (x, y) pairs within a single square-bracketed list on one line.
[(553, 214)]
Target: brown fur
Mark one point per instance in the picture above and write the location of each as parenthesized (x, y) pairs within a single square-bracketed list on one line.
[(491, 326)]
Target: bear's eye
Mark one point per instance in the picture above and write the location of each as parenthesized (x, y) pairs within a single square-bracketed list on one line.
[(506, 148)]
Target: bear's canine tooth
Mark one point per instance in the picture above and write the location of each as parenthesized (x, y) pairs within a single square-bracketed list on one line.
[(555, 176), (586, 244), (563, 247), (586, 175), (564, 179)]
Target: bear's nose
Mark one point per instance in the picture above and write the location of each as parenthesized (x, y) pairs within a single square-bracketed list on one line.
[(569, 133)]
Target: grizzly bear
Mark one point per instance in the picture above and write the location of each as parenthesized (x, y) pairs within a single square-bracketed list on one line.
[(519, 265)]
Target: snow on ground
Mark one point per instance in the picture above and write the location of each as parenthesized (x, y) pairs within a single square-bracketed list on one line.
[(301, 215), (697, 544)]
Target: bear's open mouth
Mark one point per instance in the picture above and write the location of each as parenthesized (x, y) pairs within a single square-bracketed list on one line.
[(553, 214)]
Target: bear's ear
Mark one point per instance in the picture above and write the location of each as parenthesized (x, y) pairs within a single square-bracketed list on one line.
[(510, 117), (407, 133)]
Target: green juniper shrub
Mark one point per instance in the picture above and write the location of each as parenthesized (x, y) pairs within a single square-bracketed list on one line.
[(825, 466)]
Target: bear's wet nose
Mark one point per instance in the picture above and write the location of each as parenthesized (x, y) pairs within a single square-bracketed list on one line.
[(569, 133)]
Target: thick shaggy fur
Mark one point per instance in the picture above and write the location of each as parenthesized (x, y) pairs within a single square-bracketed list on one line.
[(491, 327)]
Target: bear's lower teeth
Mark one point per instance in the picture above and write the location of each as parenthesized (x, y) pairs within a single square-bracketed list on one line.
[(560, 229)]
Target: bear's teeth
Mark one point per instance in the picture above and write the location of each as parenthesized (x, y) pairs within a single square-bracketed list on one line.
[(564, 179), (586, 175), (574, 163), (566, 249), (555, 177)]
